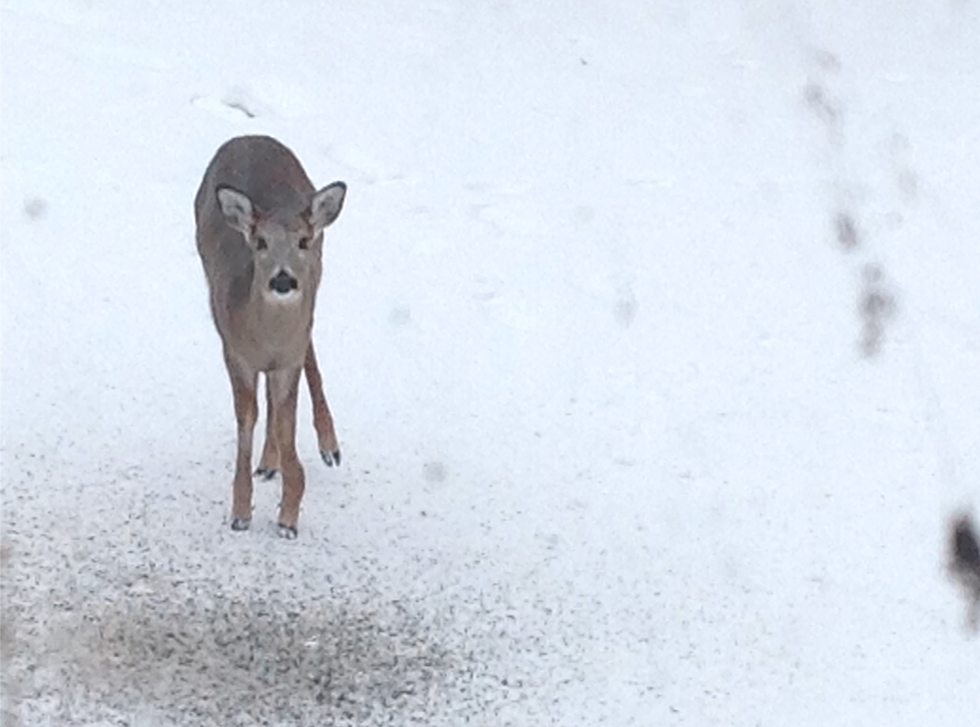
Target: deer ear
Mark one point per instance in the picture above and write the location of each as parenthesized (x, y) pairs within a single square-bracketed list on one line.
[(237, 209), (326, 205)]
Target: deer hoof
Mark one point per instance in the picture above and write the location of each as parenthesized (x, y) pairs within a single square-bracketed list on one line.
[(240, 523), (288, 532), (331, 458), (266, 473)]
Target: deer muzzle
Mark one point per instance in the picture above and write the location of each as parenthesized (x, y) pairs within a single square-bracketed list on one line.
[(283, 283)]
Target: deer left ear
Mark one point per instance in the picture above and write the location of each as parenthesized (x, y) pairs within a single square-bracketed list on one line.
[(237, 209), (326, 205)]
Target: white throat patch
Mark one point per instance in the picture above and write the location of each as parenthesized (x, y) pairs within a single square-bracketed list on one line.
[(289, 298)]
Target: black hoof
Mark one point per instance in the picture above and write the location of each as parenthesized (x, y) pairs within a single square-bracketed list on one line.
[(331, 458), (288, 532), (266, 474), (240, 523)]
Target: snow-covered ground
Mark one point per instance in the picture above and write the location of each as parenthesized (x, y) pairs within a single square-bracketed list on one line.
[(651, 331)]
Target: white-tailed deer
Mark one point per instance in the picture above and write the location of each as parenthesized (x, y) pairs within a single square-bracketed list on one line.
[(260, 225)]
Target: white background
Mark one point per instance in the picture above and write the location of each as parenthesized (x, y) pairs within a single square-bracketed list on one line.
[(651, 331)]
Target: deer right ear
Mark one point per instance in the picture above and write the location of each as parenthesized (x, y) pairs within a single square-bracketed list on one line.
[(237, 209), (326, 205)]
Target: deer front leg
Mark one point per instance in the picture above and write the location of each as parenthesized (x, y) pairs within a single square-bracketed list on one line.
[(269, 464), (322, 420), (283, 386), (243, 389)]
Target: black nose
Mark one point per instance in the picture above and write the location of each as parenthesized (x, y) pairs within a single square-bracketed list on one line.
[(283, 282)]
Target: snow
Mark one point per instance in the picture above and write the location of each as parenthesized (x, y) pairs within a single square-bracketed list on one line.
[(651, 333)]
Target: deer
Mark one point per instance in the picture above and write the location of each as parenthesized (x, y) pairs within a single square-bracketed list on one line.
[(260, 224)]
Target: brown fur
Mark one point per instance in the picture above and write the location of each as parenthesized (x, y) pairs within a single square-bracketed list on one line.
[(269, 198)]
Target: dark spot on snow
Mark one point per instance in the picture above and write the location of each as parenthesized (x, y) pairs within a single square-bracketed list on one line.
[(826, 60), (908, 184), (964, 564), (584, 214), (876, 307), (35, 208), (906, 178), (818, 101), (625, 310), (434, 471), (400, 315), (846, 231), (966, 550)]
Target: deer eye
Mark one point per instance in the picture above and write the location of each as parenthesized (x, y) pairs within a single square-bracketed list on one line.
[(304, 243), (261, 244)]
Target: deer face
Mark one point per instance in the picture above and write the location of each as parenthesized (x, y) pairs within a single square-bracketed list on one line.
[(286, 248)]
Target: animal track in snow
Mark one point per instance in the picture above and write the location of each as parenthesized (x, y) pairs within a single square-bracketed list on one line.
[(876, 307), (624, 311), (846, 229), (876, 299)]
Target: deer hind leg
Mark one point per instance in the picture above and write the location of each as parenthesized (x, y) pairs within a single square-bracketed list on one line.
[(283, 386), (269, 464), (243, 384), (322, 419)]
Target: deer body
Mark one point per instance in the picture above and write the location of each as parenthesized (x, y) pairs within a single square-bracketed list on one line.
[(260, 225)]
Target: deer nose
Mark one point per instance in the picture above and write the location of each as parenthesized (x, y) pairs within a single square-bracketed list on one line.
[(283, 282)]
